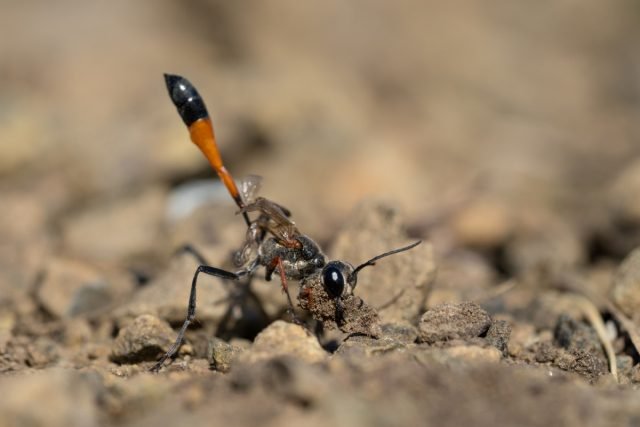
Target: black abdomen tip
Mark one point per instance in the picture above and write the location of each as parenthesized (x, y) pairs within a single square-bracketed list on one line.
[(186, 99)]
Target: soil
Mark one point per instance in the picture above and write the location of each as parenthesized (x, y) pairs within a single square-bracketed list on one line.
[(503, 136)]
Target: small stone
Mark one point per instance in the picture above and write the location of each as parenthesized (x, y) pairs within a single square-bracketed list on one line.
[(285, 339), (544, 352), (146, 338), (574, 335), (498, 335), (581, 362), (221, 354), (445, 322)]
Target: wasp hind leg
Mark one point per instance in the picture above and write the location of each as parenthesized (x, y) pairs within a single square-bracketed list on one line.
[(191, 310)]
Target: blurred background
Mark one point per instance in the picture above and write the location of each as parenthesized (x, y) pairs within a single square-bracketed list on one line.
[(486, 124)]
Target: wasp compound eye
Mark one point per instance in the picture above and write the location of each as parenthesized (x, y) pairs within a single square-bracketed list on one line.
[(333, 279)]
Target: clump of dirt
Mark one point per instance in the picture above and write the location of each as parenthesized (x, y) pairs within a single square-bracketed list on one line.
[(453, 321)]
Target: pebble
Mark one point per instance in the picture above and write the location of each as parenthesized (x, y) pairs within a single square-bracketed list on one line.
[(285, 339), (221, 354), (582, 362), (575, 335), (144, 339), (498, 335), (445, 322)]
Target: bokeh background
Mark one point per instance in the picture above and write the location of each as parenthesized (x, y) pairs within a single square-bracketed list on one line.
[(477, 120), (505, 134)]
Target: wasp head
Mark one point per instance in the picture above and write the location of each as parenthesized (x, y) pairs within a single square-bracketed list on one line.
[(328, 296)]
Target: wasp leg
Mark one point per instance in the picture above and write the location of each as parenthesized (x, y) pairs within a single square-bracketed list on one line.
[(339, 312), (240, 294), (188, 248), (285, 289), (191, 250), (191, 310)]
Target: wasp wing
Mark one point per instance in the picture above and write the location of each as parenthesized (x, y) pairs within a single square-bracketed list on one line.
[(249, 186)]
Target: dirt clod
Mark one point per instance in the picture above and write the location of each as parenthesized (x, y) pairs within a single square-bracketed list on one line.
[(221, 354), (144, 339), (285, 339), (498, 335), (581, 362), (446, 322)]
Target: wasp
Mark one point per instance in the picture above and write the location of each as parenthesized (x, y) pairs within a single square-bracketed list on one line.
[(273, 241)]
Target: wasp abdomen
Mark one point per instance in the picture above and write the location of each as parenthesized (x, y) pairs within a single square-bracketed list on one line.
[(186, 99)]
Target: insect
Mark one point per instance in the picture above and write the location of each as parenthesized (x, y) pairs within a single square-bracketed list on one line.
[(274, 242)]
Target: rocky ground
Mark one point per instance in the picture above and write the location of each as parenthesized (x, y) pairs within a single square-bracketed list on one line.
[(503, 136)]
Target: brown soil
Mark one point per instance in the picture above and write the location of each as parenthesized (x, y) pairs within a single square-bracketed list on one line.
[(504, 135)]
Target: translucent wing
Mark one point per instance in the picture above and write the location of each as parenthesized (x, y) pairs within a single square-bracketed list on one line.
[(249, 187), (274, 218)]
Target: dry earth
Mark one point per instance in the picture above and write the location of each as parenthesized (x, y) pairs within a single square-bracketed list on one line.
[(504, 135)]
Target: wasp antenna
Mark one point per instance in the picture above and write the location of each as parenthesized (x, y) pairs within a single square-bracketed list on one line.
[(373, 260), (194, 114)]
